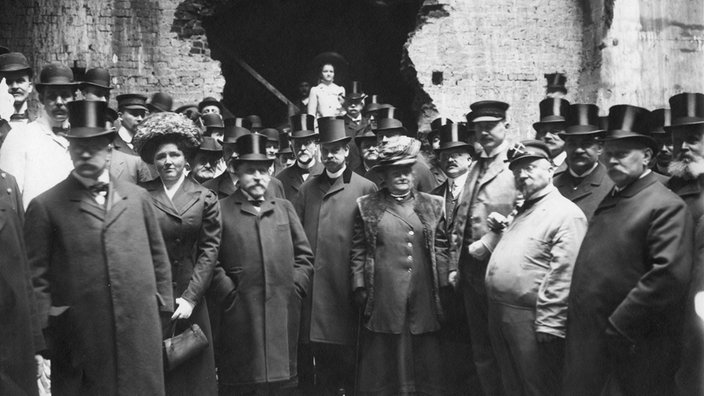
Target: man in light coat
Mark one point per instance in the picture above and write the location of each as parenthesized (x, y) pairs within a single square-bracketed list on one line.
[(326, 206)]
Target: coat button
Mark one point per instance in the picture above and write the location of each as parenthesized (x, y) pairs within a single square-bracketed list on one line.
[(411, 233), (178, 240), (9, 190), (175, 262), (410, 270), (410, 258), (410, 244)]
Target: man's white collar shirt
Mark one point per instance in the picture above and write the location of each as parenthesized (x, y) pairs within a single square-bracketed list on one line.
[(125, 135), (458, 182)]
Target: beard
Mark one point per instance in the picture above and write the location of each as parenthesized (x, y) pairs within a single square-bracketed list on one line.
[(686, 169)]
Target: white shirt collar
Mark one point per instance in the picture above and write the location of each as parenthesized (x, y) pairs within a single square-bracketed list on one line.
[(88, 182), (125, 135), (559, 159), (337, 174), (310, 164), (585, 174), (459, 181), (170, 192)]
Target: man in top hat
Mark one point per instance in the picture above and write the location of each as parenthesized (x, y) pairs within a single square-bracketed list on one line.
[(303, 91), (272, 149), (17, 72), (355, 122), (491, 189), (132, 109), (285, 154), (387, 128), (630, 280), (528, 277), (369, 151), (207, 164), (227, 182), (555, 87), (267, 258), (210, 105), (160, 102), (101, 272), (433, 138), (660, 119), (304, 140), (213, 124), (96, 84), (36, 154), (585, 182), (326, 206), (551, 125)]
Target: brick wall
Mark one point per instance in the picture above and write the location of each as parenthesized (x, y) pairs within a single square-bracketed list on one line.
[(148, 45)]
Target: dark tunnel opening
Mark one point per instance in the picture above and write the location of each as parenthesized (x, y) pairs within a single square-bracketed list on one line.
[(279, 38)]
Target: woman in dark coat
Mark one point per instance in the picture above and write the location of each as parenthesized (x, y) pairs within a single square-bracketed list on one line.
[(189, 217), (397, 248)]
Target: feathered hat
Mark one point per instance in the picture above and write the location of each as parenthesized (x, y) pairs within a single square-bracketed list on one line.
[(165, 127)]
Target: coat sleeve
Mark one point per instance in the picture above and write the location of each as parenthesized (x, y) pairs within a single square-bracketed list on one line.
[(670, 244), (442, 252), (207, 249), (39, 237), (160, 257), (302, 252), (554, 290), (358, 252)]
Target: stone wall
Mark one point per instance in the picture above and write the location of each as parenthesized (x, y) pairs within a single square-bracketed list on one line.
[(147, 45)]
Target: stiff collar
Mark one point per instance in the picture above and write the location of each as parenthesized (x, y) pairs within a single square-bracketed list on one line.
[(125, 135), (496, 151), (585, 174), (333, 176), (88, 182)]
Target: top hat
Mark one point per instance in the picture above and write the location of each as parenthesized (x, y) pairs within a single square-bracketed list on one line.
[(399, 150), (233, 132), (687, 109), (435, 126), (238, 122), (131, 101), (302, 126), (4, 50), (160, 102), (582, 119), (272, 134), (487, 110), (552, 111), (355, 93), (374, 104), (255, 122), (210, 144), (659, 120), (209, 101), (387, 111), (252, 147), (97, 77), (533, 149), (212, 121), (390, 124), (284, 144), (556, 82), (13, 62), (454, 135), (87, 119), (332, 129), (366, 135), (56, 75), (629, 122)]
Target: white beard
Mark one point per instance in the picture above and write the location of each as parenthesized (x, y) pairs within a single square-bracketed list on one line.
[(686, 170)]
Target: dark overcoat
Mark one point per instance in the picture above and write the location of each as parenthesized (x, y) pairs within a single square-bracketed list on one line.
[(11, 195), (191, 227), (265, 267), (587, 192), (327, 213), (101, 278), (224, 187), (129, 168), (631, 273), (691, 192), (292, 178), (19, 329)]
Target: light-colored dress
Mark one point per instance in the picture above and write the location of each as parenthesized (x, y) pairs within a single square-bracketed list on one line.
[(326, 100)]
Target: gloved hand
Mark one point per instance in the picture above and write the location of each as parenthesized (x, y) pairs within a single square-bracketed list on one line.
[(360, 297), (184, 310)]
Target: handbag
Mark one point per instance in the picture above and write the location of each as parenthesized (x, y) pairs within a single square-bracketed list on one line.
[(182, 347)]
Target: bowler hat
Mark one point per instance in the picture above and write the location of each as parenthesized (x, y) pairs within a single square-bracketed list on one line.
[(252, 147), (552, 111), (302, 126), (272, 134), (57, 75), (186, 107), (629, 122), (582, 119), (355, 93), (131, 101), (487, 110), (210, 144), (367, 135), (659, 120), (209, 101), (533, 149), (159, 102), (687, 109), (453, 136), (14, 62), (255, 122), (390, 125), (374, 104), (233, 132), (97, 77), (212, 121), (284, 144), (332, 130), (556, 82), (87, 119)]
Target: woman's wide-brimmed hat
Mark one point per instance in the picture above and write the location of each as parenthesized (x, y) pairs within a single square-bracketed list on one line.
[(332, 58), (165, 127), (398, 150)]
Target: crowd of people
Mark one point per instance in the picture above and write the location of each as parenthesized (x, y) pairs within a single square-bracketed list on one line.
[(157, 251)]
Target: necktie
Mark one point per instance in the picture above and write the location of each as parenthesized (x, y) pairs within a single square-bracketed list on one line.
[(99, 191)]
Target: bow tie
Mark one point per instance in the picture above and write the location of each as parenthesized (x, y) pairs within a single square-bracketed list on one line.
[(304, 171), (257, 203), (19, 117), (99, 188)]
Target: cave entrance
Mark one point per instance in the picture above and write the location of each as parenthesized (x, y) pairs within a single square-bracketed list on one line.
[(279, 38)]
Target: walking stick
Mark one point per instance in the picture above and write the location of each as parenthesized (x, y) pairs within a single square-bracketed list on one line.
[(356, 351)]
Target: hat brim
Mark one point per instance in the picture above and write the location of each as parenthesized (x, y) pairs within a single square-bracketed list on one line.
[(400, 129), (285, 151), (453, 145), (547, 122), (89, 133), (66, 84), (252, 158), (533, 157), (303, 134), (202, 105), (649, 141), (84, 83), (345, 139), (678, 125), (15, 69), (155, 108), (486, 118), (133, 106), (399, 162)]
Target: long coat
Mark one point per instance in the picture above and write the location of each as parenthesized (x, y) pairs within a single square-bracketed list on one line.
[(265, 267), (327, 213), (101, 278), (10, 194), (292, 178), (224, 187), (191, 227), (586, 193), (631, 273), (19, 329)]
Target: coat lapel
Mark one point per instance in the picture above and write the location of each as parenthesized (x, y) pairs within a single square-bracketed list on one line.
[(159, 198), (117, 204), (186, 196), (79, 194), (225, 184)]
